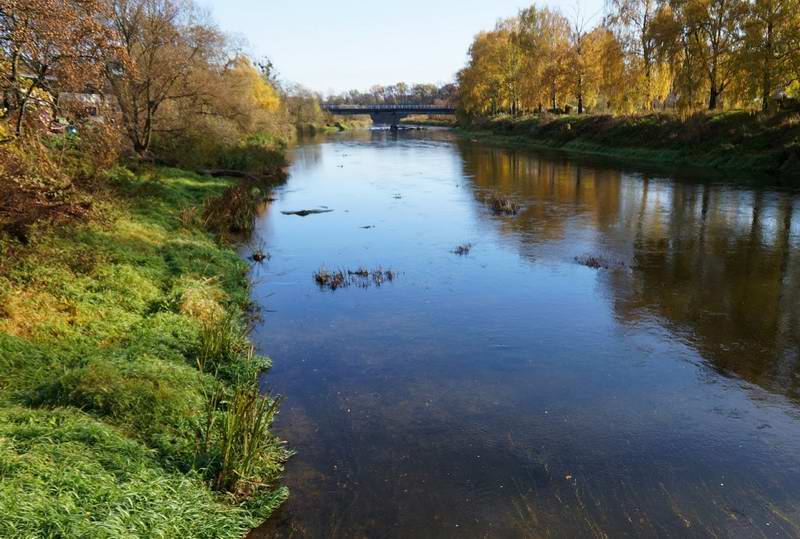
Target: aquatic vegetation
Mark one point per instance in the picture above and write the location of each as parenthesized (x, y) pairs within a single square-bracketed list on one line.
[(598, 262), (331, 280), (463, 249), (260, 256), (380, 276), (361, 278), (360, 272), (502, 205)]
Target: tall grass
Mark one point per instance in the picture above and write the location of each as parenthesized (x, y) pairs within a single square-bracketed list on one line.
[(242, 444), (225, 353), (234, 212), (120, 337), (245, 440)]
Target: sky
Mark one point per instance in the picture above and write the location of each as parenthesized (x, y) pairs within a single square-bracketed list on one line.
[(332, 46)]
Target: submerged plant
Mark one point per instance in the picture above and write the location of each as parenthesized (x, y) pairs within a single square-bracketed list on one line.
[(503, 206), (331, 279), (260, 254), (463, 250), (597, 262), (361, 277)]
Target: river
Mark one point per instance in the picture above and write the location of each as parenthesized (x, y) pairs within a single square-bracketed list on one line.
[(514, 391)]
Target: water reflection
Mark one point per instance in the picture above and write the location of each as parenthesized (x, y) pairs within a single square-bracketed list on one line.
[(715, 264), (514, 392)]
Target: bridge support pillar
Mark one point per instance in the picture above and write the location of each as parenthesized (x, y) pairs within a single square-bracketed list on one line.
[(390, 118)]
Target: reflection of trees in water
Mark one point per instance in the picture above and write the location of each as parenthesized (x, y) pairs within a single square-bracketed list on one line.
[(714, 264), (553, 192), (306, 156)]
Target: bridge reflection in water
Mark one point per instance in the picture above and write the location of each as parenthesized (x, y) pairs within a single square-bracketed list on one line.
[(388, 114)]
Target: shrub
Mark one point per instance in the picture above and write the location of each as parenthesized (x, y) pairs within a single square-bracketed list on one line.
[(234, 212)]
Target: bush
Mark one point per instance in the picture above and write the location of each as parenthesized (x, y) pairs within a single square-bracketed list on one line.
[(260, 155), (234, 212)]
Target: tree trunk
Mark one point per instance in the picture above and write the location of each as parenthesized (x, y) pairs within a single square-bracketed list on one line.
[(713, 96), (20, 117), (767, 80)]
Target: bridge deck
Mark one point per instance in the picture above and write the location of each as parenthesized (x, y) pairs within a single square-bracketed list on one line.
[(379, 109)]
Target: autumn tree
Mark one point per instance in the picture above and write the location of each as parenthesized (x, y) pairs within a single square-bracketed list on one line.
[(714, 28), (584, 63), (677, 48), (772, 44), (484, 85), (304, 106), (616, 79), (47, 47), (166, 43), (544, 41), (632, 19)]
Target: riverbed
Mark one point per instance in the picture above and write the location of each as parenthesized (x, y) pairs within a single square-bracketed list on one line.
[(619, 358)]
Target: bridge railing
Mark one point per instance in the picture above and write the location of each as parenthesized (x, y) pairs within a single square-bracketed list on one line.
[(386, 107)]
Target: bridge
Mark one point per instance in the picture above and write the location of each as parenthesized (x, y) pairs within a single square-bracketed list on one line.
[(388, 114)]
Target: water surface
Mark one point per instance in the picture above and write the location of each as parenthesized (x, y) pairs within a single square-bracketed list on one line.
[(514, 392)]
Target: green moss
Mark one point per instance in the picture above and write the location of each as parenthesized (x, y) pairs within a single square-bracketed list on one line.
[(101, 401)]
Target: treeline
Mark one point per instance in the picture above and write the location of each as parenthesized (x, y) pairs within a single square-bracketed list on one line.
[(156, 76), (644, 55), (400, 93)]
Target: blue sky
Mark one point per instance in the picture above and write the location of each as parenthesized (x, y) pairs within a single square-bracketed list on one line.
[(338, 45)]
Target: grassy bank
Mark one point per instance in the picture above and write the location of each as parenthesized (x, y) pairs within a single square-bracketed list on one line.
[(337, 125), (733, 140), (430, 121), (129, 401)]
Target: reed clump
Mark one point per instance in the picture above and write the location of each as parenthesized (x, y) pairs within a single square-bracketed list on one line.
[(502, 205), (234, 212), (598, 262), (463, 250), (360, 277)]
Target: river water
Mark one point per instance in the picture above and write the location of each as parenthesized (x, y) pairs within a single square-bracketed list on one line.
[(514, 391)]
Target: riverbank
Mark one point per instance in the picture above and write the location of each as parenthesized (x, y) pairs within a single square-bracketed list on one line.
[(734, 140), (338, 125), (129, 401), (429, 121)]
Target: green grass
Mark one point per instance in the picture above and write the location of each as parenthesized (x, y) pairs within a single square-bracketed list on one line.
[(429, 121), (102, 405), (336, 125), (731, 140)]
